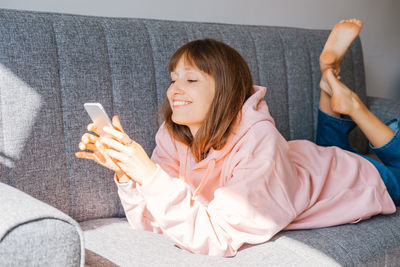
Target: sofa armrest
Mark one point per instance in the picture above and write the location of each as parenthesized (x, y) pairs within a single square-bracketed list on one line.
[(34, 233), (384, 109)]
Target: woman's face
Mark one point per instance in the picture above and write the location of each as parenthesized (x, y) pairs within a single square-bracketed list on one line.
[(190, 95)]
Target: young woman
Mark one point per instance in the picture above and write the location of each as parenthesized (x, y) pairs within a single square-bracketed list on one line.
[(222, 175)]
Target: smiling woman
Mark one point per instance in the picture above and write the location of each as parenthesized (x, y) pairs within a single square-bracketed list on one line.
[(222, 175), (217, 81)]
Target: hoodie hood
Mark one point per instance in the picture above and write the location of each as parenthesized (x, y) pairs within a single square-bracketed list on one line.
[(254, 110)]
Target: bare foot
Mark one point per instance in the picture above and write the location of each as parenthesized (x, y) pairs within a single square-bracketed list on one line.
[(325, 98), (343, 100), (339, 40), (323, 84)]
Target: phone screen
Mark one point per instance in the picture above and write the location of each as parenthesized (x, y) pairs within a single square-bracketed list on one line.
[(99, 117)]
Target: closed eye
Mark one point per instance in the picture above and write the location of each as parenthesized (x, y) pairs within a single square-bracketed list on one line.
[(172, 82), (192, 81)]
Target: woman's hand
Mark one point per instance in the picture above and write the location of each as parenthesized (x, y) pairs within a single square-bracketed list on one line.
[(128, 155), (90, 142)]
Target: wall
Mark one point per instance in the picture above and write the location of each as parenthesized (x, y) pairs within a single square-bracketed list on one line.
[(380, 35)]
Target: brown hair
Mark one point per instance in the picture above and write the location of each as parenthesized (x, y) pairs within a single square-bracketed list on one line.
[(233, 83)]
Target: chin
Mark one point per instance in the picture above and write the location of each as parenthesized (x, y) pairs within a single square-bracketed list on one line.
[(180, 122)]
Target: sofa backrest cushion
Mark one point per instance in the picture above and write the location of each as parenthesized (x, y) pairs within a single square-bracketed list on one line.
[(51, 64)]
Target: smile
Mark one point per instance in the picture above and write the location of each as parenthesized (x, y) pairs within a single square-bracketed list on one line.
[(180, 103)]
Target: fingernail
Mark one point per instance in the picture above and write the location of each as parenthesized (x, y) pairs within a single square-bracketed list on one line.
[(82, 146)]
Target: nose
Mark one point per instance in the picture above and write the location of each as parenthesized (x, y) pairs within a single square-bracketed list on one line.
[(176, 88)]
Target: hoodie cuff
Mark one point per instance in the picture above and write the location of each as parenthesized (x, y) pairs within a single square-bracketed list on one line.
[(150, 180), (125, 189), (157, 185)]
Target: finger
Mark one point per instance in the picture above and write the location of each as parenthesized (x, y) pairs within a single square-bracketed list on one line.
[(120, 136), (98, 154), (82, 146), (92, 128), (111, 143), (132, 143), (89, 138), (85, 155), (101, 148), (117, 123), (122, 166), (92, 156), (115, 133), (89, 146), (115, 155)]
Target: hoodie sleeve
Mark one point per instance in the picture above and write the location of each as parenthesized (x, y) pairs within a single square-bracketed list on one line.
[(251, 207), (132, 201), (135, 207)]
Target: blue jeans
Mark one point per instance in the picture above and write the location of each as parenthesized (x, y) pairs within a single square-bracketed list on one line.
[(333, 131)]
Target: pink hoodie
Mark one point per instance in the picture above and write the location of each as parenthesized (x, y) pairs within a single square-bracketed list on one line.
[(256, 186)]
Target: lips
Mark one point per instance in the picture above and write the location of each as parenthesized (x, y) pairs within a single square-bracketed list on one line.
[(179, 103)]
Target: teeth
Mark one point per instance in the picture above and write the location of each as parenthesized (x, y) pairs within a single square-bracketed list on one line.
[(181, 103)]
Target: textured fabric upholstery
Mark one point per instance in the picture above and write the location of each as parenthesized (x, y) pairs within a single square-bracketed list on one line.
[(46, 242), (36, 234), (383, 108), (51, 64), (63, 61), (112, 242)]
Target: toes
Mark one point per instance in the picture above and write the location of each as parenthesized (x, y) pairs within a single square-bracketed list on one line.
[(336, 72), (332, 80), (353, 21), (356, 21), (330, 76)]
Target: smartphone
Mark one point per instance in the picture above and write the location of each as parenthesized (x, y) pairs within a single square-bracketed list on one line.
[(99, 117)]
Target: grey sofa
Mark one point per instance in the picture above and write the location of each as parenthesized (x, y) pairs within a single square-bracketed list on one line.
[(57, 210)]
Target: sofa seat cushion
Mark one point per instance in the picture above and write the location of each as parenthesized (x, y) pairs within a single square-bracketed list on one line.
[(374, 242)]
